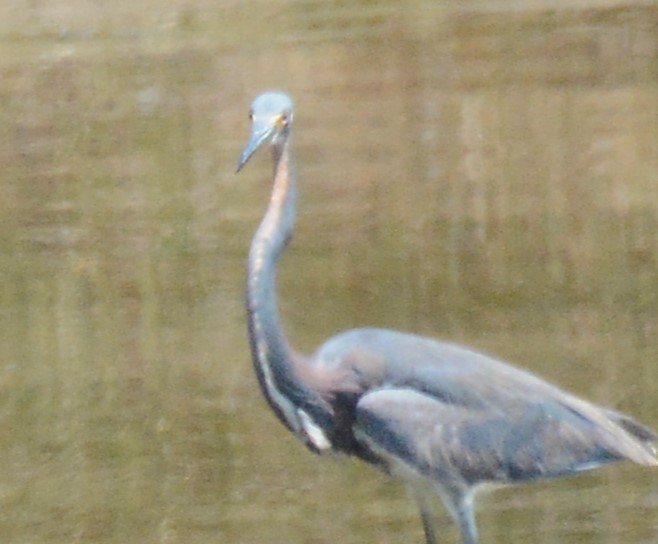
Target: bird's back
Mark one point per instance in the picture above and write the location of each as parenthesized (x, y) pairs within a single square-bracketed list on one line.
[(496, 421)]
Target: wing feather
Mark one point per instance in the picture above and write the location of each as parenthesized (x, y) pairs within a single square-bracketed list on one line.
[(463, 446)]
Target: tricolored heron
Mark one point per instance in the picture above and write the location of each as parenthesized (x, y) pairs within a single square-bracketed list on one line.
[(444, 418)]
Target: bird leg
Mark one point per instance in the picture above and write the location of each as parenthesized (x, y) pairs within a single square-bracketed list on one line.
[(465, 517), (428, 525), (424, 500)]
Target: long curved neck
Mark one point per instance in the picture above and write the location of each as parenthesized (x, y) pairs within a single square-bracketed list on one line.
[(266, 247), (274, 359)]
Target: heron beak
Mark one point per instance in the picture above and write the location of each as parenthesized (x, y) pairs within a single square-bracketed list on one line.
[(261, 131)]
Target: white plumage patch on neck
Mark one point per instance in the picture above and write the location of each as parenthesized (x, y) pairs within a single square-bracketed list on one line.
[(313, 432), (287, 408), (300, 421)]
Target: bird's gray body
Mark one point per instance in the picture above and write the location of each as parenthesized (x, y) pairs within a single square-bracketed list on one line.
[(435, 404), (444, 418)]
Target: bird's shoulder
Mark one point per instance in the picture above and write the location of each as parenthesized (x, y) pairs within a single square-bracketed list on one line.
[(372, 358)]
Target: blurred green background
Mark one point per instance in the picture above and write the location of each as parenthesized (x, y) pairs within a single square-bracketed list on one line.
[(481, 171)]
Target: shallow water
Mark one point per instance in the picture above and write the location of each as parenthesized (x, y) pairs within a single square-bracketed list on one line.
[(483, 172)]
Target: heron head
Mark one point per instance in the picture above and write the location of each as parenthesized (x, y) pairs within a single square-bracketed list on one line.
[(271, 117)]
